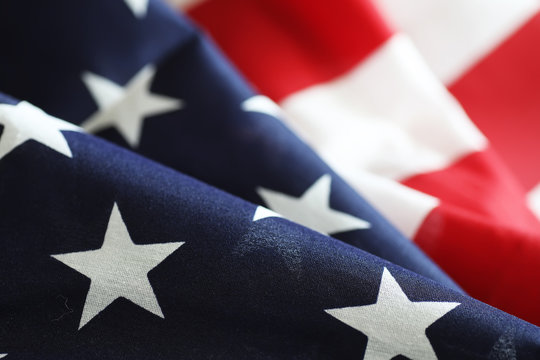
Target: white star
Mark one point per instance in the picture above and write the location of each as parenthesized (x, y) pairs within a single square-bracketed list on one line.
[(24, 121), (118, 269), (312, 209), (394, 325), (126, 107), (139, 7), (3, 355)]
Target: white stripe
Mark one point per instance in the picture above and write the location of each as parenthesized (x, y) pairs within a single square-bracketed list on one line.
[(389, 116), (453, 35), (387, 119), (404, 207), (533, 199)]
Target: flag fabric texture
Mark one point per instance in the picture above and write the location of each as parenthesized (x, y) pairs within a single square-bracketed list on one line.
[(428, 109), (109, 255), (132, 251)]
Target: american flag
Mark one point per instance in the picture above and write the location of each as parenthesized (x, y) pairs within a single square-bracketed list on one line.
[(199, 226), (428, 109)]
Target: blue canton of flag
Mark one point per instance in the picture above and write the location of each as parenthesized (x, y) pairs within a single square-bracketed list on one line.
[(107, 254), (154, 85)]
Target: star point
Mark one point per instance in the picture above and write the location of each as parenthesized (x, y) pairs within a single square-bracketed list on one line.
[(138, 7), (24, 121), (311, 209), (262, 104), (261, 213), (126, 107), (119, 269), (394, 325)]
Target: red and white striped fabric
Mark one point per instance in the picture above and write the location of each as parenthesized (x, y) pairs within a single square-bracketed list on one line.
[(369, 85)]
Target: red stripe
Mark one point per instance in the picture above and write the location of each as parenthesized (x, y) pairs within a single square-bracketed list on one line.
[(496, 264), (283, 46), (483, 235), (502, 96), (481, 185)]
